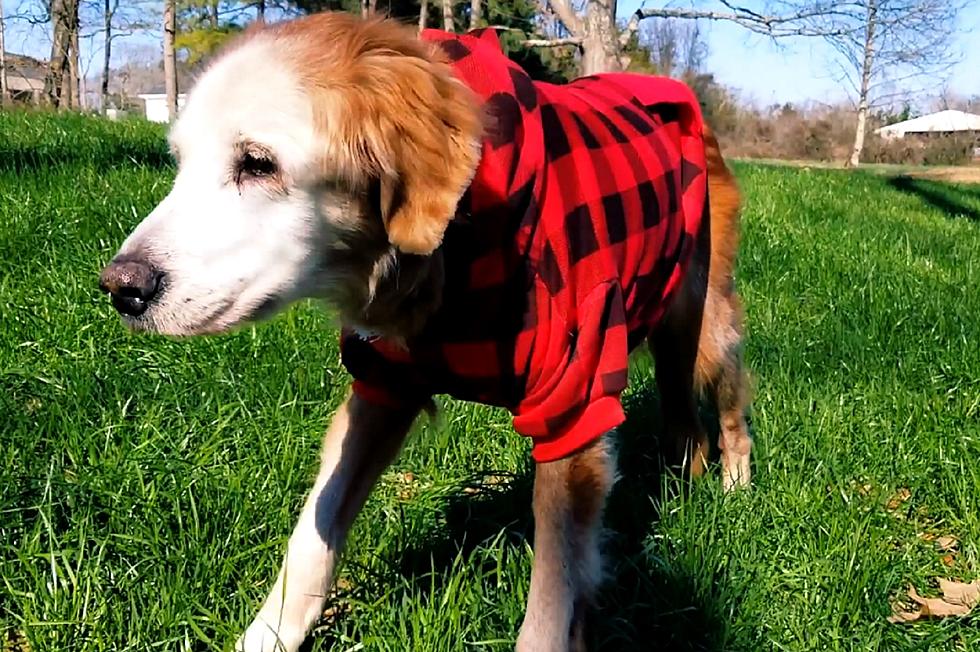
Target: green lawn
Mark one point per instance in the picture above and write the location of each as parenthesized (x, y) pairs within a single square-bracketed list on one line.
[(147, 486)]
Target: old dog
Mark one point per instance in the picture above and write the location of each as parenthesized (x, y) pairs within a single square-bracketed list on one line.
[(480, 235)]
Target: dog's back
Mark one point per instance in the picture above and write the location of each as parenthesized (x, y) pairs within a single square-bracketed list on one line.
[(575, 233)]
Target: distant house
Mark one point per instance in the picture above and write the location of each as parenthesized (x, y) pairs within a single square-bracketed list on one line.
[(25, 78), (933, 125), (155, 105), (943, 123)]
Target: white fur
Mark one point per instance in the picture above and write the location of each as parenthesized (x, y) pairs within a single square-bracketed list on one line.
[(228, 250), (296, 600)]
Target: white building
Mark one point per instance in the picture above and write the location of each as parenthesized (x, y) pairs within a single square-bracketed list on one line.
[(934, 124), (156, 105)]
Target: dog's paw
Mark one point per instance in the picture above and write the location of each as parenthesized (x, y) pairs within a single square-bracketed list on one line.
[(736, 473), (260, 637)]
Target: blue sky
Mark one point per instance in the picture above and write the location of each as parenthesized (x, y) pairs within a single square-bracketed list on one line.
[(798, 70), (794, 71)]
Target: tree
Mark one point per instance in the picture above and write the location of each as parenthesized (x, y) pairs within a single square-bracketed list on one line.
[(64, 20), (423, 14), (883, 46), (3, 61), (447, 15), (601, 43), (119, 19), (675, 48), (476, 11), (109, 9), (202, 29), (170, 55), (74, 85)]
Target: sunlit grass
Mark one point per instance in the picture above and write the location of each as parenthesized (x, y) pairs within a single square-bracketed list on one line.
[(147, 485)]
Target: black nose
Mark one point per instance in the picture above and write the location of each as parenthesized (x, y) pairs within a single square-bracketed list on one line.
[(132, 283)]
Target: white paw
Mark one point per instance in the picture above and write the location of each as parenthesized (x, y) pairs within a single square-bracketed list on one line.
[(736, 472), (260, 637)]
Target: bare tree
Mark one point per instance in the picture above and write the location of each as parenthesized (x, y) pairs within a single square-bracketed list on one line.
[(3, 61), (476, 12), (885, 47), (74, 66), (109, 9), (447, 16), (260, 10), (676, 47), (170, 55), (423, 14), (64, 22), (120, 18), (600, 41)]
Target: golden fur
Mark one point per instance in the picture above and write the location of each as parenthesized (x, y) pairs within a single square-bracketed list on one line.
[(388, 107)]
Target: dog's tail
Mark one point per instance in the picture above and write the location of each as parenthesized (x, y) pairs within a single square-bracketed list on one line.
[(724, 205)]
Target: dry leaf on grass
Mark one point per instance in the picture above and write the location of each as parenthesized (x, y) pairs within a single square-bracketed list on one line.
[(947, 543), (960, 593), (958, 600), (902, 495)]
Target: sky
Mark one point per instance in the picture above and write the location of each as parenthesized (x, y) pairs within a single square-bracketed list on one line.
[(797, 70)]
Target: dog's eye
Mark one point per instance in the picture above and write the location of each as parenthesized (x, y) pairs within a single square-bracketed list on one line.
[(255, 166)]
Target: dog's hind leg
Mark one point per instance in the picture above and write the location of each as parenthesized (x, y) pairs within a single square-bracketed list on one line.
[(569, 498), (674, 343), (719, 370), (360, 443), (720, 375)]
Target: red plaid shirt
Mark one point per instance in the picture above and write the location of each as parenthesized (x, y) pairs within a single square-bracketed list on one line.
[(563, 254)]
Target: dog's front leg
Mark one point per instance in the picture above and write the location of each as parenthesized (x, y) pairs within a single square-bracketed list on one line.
[(360, 443), (569, 497)]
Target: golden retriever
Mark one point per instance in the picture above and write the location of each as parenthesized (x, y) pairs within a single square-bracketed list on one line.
[(329, 157)]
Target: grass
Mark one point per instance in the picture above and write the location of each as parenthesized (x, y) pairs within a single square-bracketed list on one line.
[(147, 485)]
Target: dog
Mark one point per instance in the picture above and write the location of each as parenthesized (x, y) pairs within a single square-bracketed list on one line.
[(479, 234)]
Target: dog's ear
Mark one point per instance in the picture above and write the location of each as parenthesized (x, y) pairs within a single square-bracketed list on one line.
[(420, 128), (433, 133)]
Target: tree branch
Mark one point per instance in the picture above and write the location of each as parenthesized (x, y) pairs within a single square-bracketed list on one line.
[(798, 23), (566, 14), (552, 42)]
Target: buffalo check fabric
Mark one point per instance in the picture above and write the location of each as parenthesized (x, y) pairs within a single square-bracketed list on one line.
[(563, 254)]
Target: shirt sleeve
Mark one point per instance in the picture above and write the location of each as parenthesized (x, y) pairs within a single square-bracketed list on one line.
[(579, 367)]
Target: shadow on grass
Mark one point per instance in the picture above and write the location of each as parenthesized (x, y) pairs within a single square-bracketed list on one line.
[(649, 600), (124, 153), (954, 200)]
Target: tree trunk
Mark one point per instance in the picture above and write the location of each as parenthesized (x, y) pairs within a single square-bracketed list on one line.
[(476, 9), (260, 10), (600, 44), (75, 81), (866, 66), (54, 77), (3, 62), (423, 14), (106, 54), (170, 56), (213, 14), (365, 9), (447, 16)]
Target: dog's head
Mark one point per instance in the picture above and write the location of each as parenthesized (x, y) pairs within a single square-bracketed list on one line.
[(309, 146)]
